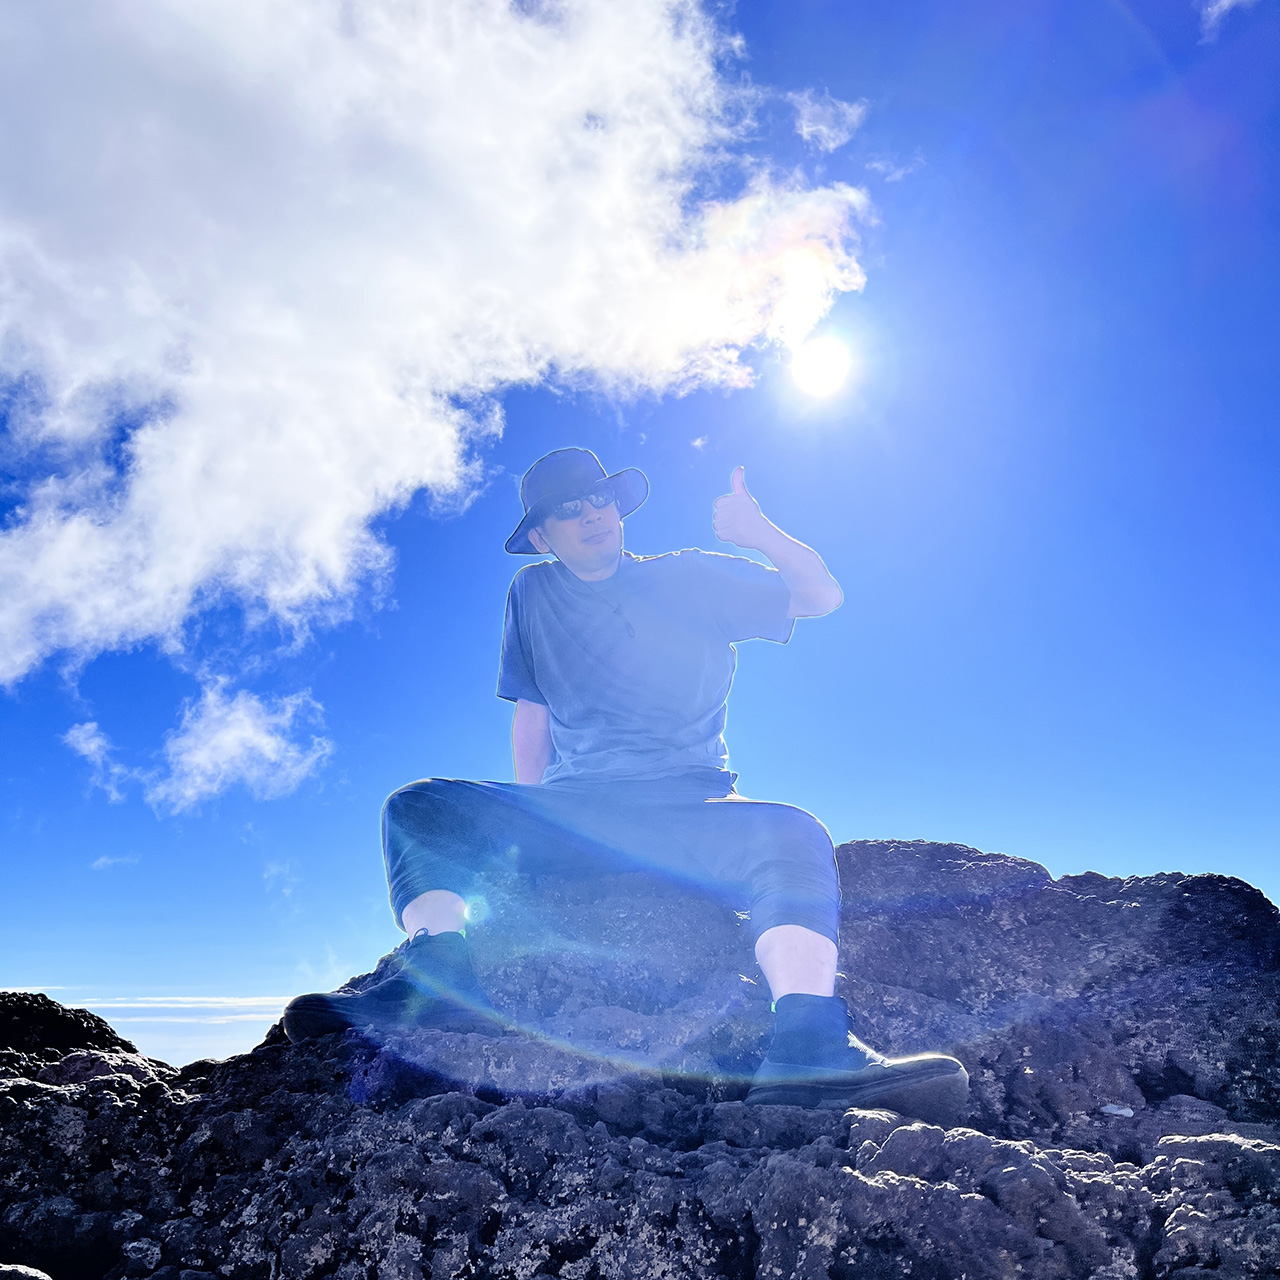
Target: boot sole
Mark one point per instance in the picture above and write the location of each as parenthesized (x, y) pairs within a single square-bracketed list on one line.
[(938, 1096), (309, 1021)]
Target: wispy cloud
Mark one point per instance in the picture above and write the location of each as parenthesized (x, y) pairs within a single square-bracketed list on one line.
[(264, 269), (223, 739), (103, 863), (1212, 12), (894, 170), (281, 877), (89, 741), (826, 122)]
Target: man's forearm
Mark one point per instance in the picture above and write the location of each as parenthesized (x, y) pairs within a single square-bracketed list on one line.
[(531, 741), (738, 519), (814, 591)]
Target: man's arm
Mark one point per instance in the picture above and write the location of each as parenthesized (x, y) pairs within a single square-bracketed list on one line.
[(531, 740), (738, 519)]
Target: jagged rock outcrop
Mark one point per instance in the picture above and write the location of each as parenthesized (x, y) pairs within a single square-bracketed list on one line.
[(1120, 1037)]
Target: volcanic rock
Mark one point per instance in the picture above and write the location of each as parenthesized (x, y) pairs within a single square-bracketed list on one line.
[(36, 1032), (1120, 1037)]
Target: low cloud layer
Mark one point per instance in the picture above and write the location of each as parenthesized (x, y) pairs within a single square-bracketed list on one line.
[(198, 1009), (264, 264)]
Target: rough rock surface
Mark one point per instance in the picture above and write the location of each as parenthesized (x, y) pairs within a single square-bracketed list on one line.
[(1120, 1036)]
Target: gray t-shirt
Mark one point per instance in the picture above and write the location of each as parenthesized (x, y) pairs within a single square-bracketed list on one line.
[(635, 670)]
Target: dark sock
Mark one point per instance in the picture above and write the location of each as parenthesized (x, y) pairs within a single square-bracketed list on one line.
[(810, 1030), (443, 960), (446, 948)]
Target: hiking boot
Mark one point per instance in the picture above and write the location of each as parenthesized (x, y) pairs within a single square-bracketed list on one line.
[(434, 986), (816, 1060)]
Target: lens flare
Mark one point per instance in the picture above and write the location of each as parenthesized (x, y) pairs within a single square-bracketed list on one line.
[(477, 909), (821, 366)]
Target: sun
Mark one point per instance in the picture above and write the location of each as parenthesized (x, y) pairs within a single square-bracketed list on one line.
[(821, 365)]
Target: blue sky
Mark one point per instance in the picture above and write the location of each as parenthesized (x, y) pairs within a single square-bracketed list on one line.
[(1049, 491)]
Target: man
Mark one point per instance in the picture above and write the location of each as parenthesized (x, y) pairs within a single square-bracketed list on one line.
[(619, 667)]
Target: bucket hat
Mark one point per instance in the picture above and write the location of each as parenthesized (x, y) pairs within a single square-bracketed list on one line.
[(566, 474)]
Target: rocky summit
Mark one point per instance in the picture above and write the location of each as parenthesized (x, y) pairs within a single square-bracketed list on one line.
[(1120, 1036)]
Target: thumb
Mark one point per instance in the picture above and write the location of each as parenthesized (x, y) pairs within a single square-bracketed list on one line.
[(739, 484)]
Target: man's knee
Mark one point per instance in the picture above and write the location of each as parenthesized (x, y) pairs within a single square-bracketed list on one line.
[(795, 834), (796, 880), (411, 801)]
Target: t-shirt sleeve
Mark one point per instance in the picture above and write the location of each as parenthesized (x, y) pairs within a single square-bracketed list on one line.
[(748, 600), (515, 676)]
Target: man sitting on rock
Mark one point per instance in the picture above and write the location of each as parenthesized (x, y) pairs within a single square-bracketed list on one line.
[(619, 667)]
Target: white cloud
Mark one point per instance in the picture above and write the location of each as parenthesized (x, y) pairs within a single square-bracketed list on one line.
[(105, 862), (1212, 12), (264, 263), (89, 741), (826, 122), (224, 740)]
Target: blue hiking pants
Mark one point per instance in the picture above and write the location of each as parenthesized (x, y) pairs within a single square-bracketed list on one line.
[(773, 860)]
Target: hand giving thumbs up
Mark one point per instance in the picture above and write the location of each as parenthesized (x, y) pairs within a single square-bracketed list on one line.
[(738, 518)]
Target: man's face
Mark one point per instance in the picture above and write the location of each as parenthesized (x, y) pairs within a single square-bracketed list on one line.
[(588, 544)]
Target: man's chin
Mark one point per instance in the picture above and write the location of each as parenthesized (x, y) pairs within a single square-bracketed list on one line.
[(601, 558), (605, 549)]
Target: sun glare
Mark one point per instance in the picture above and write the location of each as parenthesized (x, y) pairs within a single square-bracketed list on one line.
[(821, 366)]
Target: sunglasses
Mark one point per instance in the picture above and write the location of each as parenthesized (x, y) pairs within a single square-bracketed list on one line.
[(570, 510)]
